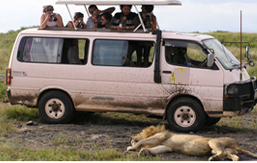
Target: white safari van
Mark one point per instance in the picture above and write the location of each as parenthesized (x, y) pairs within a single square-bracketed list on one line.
[(190, 80)]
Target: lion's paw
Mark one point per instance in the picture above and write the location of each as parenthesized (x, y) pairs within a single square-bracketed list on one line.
[(143, 152), (214, 158), (130, 148)]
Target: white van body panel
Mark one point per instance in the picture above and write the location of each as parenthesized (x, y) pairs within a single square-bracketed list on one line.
[(119, 88), (234, 76)]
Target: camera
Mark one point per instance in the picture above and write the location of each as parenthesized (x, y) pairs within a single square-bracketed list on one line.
[(53, 17), (148, 18), (81, 24)]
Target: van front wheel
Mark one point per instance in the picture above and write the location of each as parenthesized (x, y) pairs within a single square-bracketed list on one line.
[(56, 107), (185, 115)]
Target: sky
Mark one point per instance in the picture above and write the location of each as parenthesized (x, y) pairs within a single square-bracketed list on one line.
[(192, 16)]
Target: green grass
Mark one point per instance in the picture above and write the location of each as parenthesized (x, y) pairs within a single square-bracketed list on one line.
[(235, 37), (6, 43), (241, 121), (3, 88), (11, 114), (11, 153)]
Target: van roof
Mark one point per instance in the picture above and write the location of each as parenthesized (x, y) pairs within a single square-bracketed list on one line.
[(120, 2), (107, 34)]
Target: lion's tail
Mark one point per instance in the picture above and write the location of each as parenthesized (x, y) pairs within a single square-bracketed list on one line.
[(240, 150)]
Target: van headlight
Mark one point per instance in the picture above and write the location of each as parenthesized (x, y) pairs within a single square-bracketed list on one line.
[(232, 90)]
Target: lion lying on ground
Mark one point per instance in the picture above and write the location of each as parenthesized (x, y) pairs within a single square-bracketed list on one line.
[(155, 140)]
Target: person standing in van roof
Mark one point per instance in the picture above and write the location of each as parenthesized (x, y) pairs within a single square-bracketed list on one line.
[(95, 15), (125, 20), (49, 18), (150, 23), (148, 17), (78, 21), (106, 19)]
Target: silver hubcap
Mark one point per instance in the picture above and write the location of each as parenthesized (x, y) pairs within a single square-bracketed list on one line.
[(54, 108), (185, 116)]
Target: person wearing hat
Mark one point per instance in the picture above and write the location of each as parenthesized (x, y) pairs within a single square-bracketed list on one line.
[(49, 18), (78, 21)]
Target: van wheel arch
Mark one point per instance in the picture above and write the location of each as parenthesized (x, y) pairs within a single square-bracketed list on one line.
[(196, 107), (181, 96), (49, 90)]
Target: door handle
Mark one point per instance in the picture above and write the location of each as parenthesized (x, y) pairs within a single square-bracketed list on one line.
[(166, 72)]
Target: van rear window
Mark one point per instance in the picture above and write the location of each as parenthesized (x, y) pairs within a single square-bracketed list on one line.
[(43, 50), (54, 50)]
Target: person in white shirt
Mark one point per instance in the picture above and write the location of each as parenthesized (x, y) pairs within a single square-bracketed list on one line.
[(49, 18)]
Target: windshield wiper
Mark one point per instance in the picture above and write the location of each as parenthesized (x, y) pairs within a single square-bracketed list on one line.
[(234, 64)]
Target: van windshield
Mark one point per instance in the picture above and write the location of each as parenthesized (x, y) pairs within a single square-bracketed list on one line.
[(225, 57)]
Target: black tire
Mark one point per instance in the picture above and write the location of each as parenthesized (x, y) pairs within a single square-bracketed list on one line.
[(185, 115), (56, 107), (211, 121)]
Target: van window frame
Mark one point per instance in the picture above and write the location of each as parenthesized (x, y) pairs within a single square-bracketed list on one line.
[(127, 40), (204, 50), (23, 40)]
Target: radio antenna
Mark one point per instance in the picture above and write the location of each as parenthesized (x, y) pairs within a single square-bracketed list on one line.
[(241, 58)]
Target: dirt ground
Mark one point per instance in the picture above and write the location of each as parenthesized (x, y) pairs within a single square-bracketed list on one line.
[(89, 136)]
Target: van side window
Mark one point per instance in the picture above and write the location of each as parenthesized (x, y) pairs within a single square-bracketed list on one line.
[(55, 50), (75, 51), (43, 50), (143, 56), (184, 53), (109, 52), (123, 53)]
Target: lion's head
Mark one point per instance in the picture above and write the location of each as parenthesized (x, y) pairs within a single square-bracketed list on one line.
[(147, 132)]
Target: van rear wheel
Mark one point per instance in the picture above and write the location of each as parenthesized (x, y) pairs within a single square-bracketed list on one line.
[(185, 115), (56, 107)]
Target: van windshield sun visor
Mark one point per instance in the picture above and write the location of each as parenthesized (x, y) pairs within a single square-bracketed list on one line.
[(175, 43)]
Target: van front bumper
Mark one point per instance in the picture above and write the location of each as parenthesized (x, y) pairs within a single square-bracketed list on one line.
[(241, 96)]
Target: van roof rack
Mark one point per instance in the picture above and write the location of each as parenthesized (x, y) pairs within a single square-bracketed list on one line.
[(118, 2)]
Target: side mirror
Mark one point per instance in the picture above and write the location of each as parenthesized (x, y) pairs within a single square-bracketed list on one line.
[(210, 60), (251, 63), (247, 50)]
